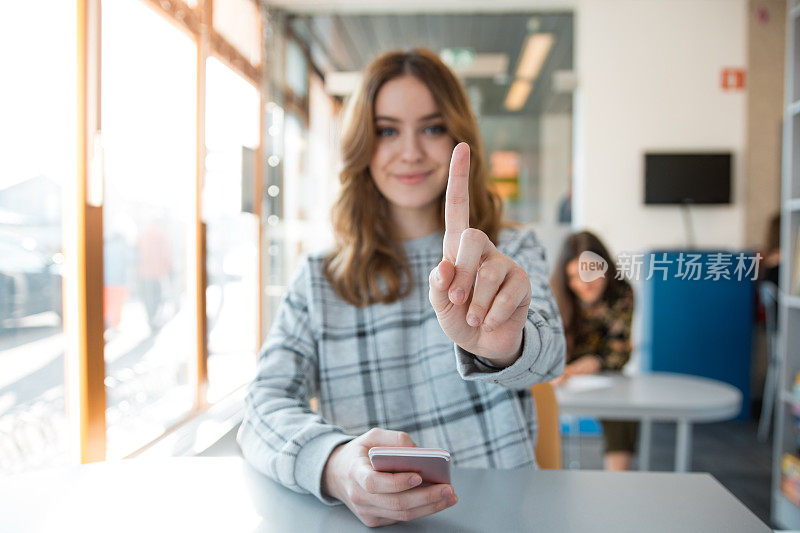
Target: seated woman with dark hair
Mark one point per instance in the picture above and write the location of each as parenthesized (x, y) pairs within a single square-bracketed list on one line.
[(597, 319)]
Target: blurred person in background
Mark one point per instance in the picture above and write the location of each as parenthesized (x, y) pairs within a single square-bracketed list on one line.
[(116, 258), (155, 268), (399, 345), (597, 318)]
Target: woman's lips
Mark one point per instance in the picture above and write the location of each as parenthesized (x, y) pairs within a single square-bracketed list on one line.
[(411, 179)]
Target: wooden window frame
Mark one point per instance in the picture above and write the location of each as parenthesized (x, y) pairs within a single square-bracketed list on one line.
[(83, 305), (83, 294)]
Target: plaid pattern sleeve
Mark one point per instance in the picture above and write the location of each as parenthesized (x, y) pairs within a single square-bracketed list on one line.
[(391, 366), (543, 345), (280, 435)]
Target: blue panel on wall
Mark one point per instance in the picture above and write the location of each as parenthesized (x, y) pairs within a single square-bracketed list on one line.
[(699, 326)]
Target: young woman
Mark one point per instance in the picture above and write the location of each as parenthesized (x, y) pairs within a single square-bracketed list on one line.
[(597, 323), (427, 323)]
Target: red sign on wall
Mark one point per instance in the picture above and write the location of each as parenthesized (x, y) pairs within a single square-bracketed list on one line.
[(732, 78)]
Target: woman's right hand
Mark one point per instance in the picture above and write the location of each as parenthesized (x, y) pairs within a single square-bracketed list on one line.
[(380, 498)]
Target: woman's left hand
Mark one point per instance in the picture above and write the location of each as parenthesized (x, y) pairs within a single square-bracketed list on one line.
[(480, 295), (586, 364)]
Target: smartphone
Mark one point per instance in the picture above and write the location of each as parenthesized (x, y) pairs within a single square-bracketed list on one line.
[(433, 464)]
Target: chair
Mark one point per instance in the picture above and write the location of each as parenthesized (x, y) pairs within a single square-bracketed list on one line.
[(548, 442), (768, 293)]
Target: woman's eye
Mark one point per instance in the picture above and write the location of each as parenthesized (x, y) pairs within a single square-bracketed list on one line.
[(387, 132), (436, 129)]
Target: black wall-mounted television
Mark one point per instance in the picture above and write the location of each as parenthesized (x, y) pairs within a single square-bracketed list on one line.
[(680, 178)]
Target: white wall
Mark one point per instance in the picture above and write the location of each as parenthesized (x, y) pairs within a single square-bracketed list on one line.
[(649, 75)]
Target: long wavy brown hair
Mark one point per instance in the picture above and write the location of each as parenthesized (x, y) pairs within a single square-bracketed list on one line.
[(368, 264)]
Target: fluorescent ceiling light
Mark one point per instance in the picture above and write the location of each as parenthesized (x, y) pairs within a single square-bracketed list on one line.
[(535, 52), (518, 94), (537, 47)]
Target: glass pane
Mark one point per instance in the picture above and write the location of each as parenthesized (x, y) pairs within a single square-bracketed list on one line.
[(33, 423), (232, 112), (297, 203), (296, 69), (149, 135), (323, 157), (271, 211), (37, 140)]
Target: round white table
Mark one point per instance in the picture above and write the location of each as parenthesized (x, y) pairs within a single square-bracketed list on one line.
[(657, 396)]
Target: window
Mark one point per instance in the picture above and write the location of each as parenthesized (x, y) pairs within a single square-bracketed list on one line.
[(296, 69), (149, 139), (136, 366), (37, 135), (232, 130)]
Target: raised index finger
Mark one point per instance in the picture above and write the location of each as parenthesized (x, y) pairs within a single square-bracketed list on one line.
[(456, 205)]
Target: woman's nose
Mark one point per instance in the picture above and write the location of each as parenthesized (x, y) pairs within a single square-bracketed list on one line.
[(413, 150)]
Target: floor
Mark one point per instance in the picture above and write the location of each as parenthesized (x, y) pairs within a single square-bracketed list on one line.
[(727, 450)]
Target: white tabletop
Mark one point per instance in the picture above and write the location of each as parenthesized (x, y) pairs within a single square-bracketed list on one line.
[(224, 494), (655, 396)]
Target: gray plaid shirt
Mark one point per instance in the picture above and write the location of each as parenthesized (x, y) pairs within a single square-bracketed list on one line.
[(392, 366)]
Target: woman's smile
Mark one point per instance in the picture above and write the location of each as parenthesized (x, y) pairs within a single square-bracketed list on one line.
[(413, 178)]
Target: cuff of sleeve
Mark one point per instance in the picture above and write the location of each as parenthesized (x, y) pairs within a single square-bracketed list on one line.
[(311, 460), (519, 375)]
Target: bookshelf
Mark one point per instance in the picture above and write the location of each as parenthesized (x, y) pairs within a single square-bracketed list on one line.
[(786, 514)]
